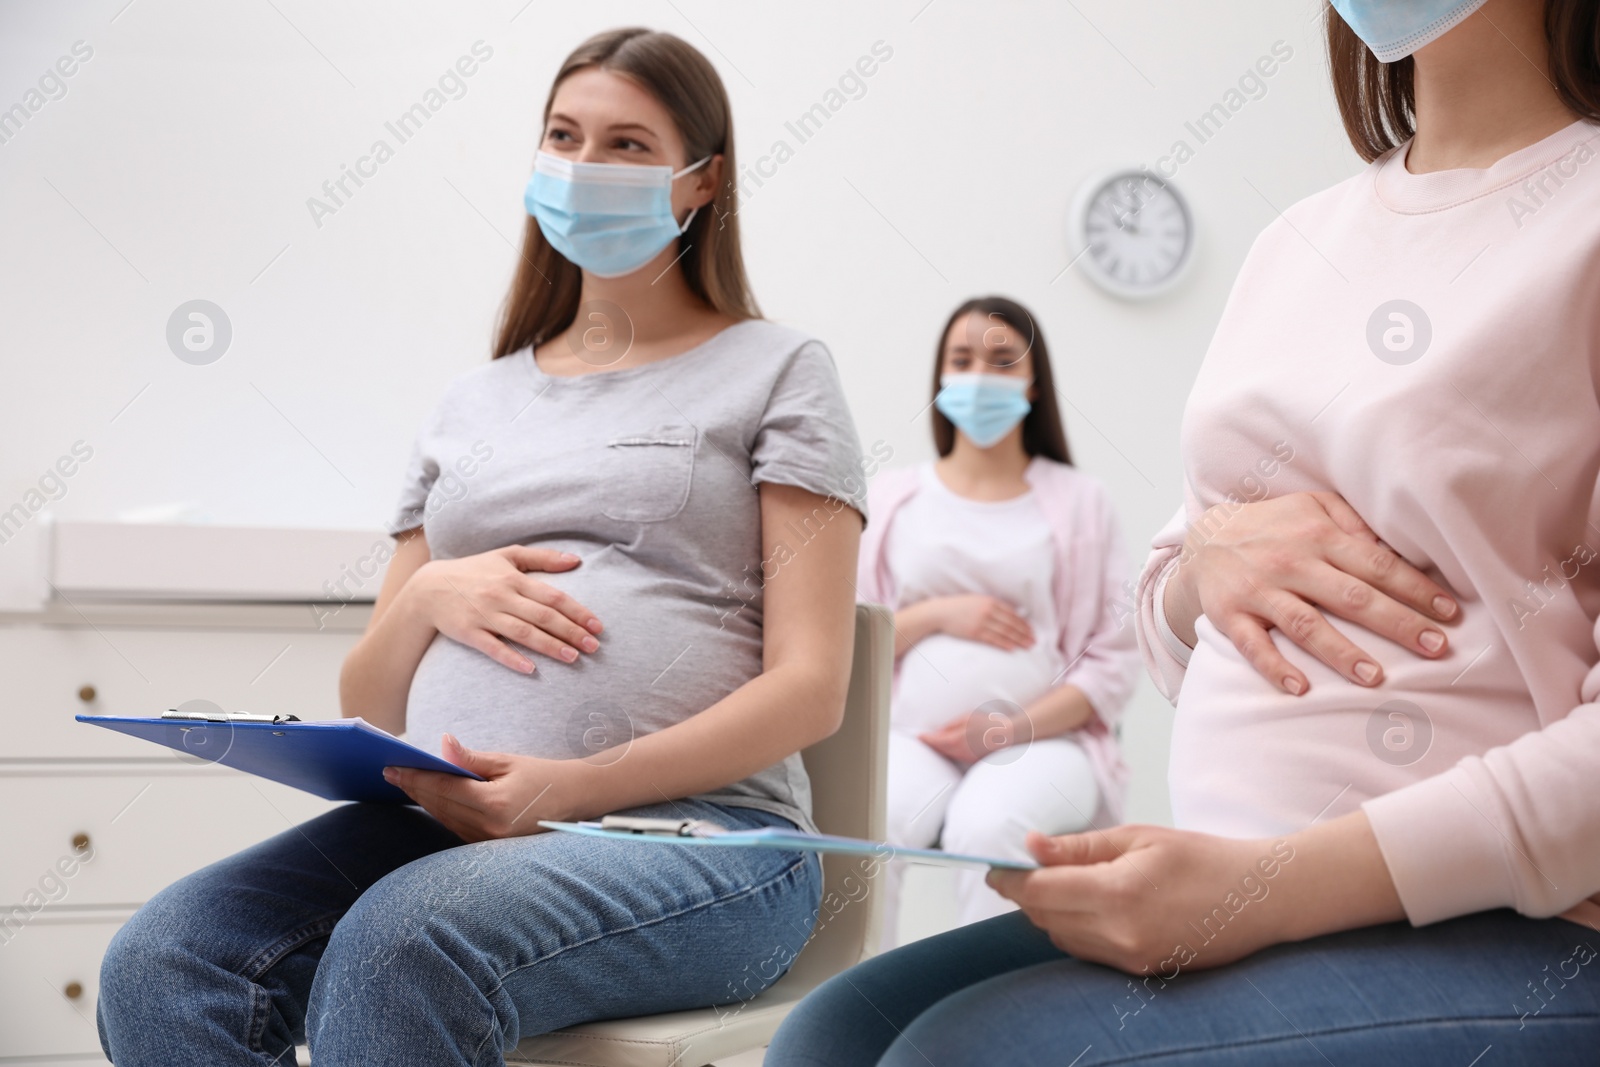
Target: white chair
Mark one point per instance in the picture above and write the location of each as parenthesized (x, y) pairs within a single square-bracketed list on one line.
[(847, 774)]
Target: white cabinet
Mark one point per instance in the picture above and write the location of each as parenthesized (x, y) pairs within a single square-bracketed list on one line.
[(138, 827), (49, 973), (142, 816), (54, 672)]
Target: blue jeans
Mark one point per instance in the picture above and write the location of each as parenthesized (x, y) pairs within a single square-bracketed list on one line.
[(379, 937), (998, 992)]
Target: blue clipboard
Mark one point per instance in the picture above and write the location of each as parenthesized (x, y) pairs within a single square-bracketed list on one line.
[(795, 841), (338, 759)]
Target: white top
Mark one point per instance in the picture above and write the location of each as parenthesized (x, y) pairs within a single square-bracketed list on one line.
[(943, 544)]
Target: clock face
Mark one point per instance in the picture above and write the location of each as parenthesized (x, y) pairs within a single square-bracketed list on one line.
[(1135, 234)]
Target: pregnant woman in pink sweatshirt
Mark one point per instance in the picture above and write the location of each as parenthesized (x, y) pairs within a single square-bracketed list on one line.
[(1376, 614)]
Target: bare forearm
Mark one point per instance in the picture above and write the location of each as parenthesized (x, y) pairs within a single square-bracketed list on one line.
[(1338, 880), (912, 624), (376, 676), (778, 712), (1061, 710)]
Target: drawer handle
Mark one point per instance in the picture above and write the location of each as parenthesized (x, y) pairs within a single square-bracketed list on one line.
[(86, 694), (73, 990), (80, 842)]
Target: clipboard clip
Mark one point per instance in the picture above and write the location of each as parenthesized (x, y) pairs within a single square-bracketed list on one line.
[(668, 827), (226, 716)]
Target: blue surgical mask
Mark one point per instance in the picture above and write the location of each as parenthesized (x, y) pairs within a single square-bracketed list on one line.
[(983, 406), (1393, 29), (608, 218)]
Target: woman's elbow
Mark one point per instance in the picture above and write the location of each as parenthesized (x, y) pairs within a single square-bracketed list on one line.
[(349, 686), (823, 703)]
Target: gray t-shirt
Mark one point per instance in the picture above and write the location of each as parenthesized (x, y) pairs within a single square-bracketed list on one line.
[(647, 473)]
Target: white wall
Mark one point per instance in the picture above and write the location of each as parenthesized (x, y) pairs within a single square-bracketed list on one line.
[(179, 161)]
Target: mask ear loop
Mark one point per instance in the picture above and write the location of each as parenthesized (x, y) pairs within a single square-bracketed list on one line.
[(693, 166), (678, 174)]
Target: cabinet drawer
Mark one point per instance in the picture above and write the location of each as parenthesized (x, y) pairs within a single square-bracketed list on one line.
[(42, 964), (53, 674), (145, 828)]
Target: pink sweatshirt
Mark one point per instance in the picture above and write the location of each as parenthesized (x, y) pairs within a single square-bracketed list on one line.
[(1092, 590), (1464, 426)]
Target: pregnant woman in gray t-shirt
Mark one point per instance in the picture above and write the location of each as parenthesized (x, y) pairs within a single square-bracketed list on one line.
[(622, 583)]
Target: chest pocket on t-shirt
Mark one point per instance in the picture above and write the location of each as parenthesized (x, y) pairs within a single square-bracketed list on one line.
[(645, 477)]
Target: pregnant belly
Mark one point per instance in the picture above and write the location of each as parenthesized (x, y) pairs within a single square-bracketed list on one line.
[(944, 676), (663, 657), (1249, 760)]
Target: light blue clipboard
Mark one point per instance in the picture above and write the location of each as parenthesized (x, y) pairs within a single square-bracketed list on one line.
[(796, 841)]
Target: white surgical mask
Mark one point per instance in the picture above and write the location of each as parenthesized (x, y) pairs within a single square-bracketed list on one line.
[(983, 406), (608, 218), (1393, 29)]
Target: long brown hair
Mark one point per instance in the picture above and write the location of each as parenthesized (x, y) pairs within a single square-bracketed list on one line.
[(1042, 434), (1377, 101), (544, 295)]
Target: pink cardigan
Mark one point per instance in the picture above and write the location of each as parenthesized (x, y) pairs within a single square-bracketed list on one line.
[(1093, 592)]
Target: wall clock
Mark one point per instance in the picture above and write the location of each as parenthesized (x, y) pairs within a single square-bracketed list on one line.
[(1132, 232)]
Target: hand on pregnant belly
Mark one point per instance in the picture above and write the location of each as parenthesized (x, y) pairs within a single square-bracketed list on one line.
[(486, 600), (963, 687), (1283, 562), (983, 731), (977, 617), (519, 791)]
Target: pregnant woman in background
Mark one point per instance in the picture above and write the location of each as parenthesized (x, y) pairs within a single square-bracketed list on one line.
[(1386, 753), (1005, 565), (599, 603)]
